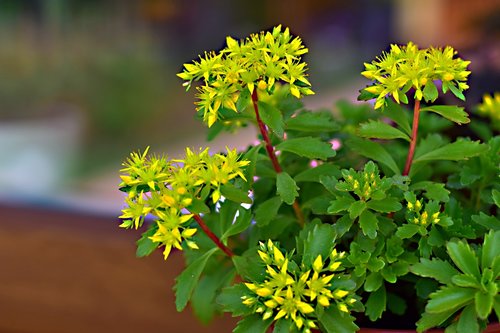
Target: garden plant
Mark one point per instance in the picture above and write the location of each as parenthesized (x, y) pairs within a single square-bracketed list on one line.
[(383, 209)]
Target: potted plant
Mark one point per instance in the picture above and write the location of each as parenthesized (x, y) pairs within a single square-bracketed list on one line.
[(334, 220)]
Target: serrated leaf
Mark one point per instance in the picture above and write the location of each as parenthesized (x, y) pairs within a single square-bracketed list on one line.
[(188, 279), (241, 223), (314, 174), (376, 304), (484, 304), (437, 269), (496, 197), (286, 187), (145, 246), (198, 207), (430, 92), (231, 192), (449, 298), (309, 147), (356, 209), (467, 323), (369, 224), (267, 211), (429, 320), (283, 326), (272, 117), (312, 122), (249, 266), (373, 281), (335, 321), (398, 114), (374, 151), (491, 249), (386, 205), (320, 241), (433, 191), (450, 112), (253, 323), (407, 231), (487, 221), (458, 150), (381, 130), (396, 304), (230, 300), (467, 281), (464, 258), (340, 204)]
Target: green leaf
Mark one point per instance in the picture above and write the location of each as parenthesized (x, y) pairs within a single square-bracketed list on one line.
[(286, 187), (249, 266), (283, 326), (253, 323), (467, 323), (314, 174), (484, 304), (230, 300), (430, 92), (429, 320), (356, 209), (373, 282), (309, 147), (424, 287), (376, 304), (466, 281), (407, 231), (231, 192), (399, 114), (449, 298), (319, 241), (369, 224), (450, 112), (386, 205), (456, 91), (340, 204), (267, 211), (496, 197), (188, 279), (490, 222), (145, 246), (491, 249), (272, 117), (437, 269), (396, 304), (312, 122), (374, 151), (204, 294), (335, 321), (381, 130), (241, 223), (433, 191), (198, 207), (458, 150), (464, 258)]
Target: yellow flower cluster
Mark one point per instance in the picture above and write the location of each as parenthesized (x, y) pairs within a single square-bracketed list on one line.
[(165, 188), (490, 107), (295, 294), (405, 67), (258, 61), (365, 184), (423, 216)]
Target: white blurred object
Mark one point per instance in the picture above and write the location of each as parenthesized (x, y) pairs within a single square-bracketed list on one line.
[(38, 154)]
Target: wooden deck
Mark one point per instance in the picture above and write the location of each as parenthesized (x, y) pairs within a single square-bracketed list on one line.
[(62, 272)]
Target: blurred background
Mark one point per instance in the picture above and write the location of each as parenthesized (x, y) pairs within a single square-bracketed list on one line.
[(85, 82)]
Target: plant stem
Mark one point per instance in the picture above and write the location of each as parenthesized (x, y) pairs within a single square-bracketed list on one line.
[(271, 153), (212, 236), (413, 142)]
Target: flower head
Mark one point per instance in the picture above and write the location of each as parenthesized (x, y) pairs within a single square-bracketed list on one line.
[(490, 107), (395, 72), (259, 61)]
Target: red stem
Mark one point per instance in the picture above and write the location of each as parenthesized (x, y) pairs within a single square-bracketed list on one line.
[(265, 136), (413, 142), (271, 153), (212, 236)]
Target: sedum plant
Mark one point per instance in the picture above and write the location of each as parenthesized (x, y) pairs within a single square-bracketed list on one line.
[(335, 220)]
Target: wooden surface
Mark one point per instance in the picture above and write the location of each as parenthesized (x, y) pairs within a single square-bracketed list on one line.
[(66, 272)]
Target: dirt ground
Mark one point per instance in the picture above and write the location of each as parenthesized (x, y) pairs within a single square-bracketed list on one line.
[(62, 272)]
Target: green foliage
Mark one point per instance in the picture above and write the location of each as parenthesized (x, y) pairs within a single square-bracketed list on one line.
[(325, 217)]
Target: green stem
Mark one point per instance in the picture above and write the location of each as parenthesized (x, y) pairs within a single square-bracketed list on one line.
[(413, 142), (271, 153), (212, 236)]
